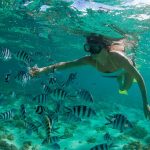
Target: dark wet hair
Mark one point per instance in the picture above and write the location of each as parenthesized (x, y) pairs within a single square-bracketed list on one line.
[(95, 43)]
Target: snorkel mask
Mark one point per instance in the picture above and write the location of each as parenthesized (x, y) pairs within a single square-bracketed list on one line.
[(94, 44)]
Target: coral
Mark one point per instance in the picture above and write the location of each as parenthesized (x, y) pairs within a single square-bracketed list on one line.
[(35, 147), (146, 148), (91, 140), (3, 136), (73, 127), (138, 132), (122, 137), (2, 128), (133, 146), (5, 146), (19, 124), (13, 147), (67, 134), (26, 145), (147, 140), (10, 137), (100, 129)]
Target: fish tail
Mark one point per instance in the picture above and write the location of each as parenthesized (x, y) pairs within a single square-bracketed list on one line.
[(46, 141), (109, 121)]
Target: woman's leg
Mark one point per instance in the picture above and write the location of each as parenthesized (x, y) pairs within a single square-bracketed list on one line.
[(125, 81)]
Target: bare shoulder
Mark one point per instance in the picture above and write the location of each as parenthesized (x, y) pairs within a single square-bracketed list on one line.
[(119, 58), (117, 55)]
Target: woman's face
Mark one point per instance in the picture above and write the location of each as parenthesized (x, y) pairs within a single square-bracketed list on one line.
[(93, 48), (94, 44)]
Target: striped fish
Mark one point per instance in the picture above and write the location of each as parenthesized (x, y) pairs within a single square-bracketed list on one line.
[(119, 121), (41, 109), (5, 54), (81, 111), (85, 95), (69, 118), (46, 89), (47, 125), (23, 112), (53, 82), (7, 115), (7, 77), (59, 94), (41, 99), (107, 137), (54, 139), (24, 57), (32, 127), (22, 77), (103, 146), (69, 81)]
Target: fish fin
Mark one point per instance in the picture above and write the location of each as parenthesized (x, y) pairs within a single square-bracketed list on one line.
[(67, 109), (112, 145), (55, 130), (123, 92), (108, 119), (46, 141), (108, 123)]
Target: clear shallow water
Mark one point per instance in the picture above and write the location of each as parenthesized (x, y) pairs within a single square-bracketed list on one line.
[(57, 29)]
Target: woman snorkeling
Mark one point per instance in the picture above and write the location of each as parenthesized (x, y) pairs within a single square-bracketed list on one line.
[(108, 56)]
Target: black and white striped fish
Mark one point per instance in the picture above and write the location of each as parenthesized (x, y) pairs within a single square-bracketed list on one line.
[(41, 109), (5, 54), (59, 94), (23, 77), (53, 82), (24, 57), (7, 77), (7, 115), (107, 137), (103, 146), (81, 111), (85, 95), (69, 118), (70, 80), (54, 139), (48, 127), (119, 121), (23, 112), (41, 99), (46, 89), (32, 127)]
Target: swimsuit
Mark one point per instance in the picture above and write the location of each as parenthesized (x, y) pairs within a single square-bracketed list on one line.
[(113, 74)]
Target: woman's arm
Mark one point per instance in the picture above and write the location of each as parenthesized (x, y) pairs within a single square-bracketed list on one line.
[(122, 61), (87, 60)]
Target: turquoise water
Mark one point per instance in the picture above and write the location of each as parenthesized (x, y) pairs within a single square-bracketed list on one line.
[(54, 31)]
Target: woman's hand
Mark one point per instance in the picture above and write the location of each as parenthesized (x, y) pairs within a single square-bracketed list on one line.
[(34, 71)]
